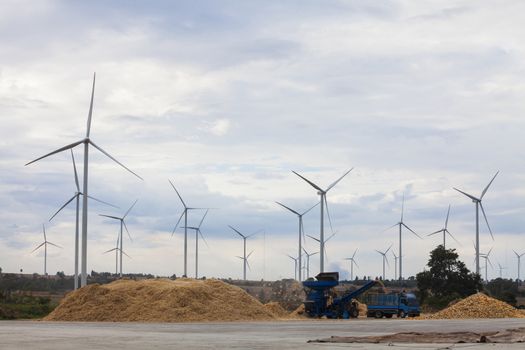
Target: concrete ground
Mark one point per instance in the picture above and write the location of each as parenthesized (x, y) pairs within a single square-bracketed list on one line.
[(246, 335)]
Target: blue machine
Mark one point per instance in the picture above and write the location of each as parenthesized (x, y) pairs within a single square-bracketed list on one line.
[(321, 299)]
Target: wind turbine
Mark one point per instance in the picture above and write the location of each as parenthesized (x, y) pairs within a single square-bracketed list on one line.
[(477, 202), (444, 230), (122, 224), (326, 241), (487, 260), (185, 214), (401, 224), (244, 257), (295, 265), (86, 141), (322, 193), (301, 230), (384, 259), (45, 243), (352, 262), (395, 264), (117, 250), (308, 262), (519, 263), (76, 196), (501, 268), (197, 233)]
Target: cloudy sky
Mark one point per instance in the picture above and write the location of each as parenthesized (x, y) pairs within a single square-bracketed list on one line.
[(226, 98)]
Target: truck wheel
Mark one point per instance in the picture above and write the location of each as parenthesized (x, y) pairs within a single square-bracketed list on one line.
[(378, 314), (402, 314)]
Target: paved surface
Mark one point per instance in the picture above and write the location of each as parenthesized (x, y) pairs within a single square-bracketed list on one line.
[(247, 335)]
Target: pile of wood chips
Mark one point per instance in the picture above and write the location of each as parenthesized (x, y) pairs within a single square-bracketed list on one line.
[(276, 309), (478, 306), (160, 300)]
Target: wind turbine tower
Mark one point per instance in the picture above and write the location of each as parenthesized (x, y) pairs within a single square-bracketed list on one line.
[(477, 202), (301, 230), (198, 232), (395, 265), (45, 243), (86, 141), (185, 214), (402, 224), (445, 230), (322, 193), (76, 196), (384, 259), (487, 262), (308, 262), (244, 257), (352, 263), (519, 264), (295, 265), (122, 224)]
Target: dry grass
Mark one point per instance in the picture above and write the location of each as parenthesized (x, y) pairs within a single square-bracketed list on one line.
[(161, 300), (478, 306)]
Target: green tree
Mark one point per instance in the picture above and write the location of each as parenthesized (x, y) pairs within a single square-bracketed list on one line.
[(503, 289), (447, 278)]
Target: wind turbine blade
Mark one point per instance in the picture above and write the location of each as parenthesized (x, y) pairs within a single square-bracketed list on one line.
[(310, 182), (329, 237), (466, 194), (109, 251), (336, 181), (240, 234), (53, 244), (386, 251), (178, 194), (57, 151), (394, 225), (247, 256), (256, 232), (62, 207), (452, 236), (379, 251), (284, 206), (486, 188), (38, 247), (316, 239), (113, 159), (516, 253), (304, 250), (91, 107), (75, 170), (386, 259), (205, 242), (313, 206), (101, 201), (490, 263), (408, 228), (178, 221), (123, 252), (44, 230), (248, 264), (314, 253), (490, 251), (200, 223), (126, 227), (291, 257), (446, 221), (109, 216), (130, 209), (355, 251), (438, 231), (485, 216), (355, 263), (240, 257), (328, 214)]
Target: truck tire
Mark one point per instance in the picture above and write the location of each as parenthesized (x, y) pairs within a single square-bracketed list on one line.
[(378, 314), (402, 314)]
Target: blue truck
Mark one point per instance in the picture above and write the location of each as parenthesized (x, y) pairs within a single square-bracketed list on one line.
[(322, 300), (388, 305)]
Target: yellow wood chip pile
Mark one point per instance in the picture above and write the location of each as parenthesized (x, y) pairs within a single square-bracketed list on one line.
[(160, 300), (276, 309), (478, 306)]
